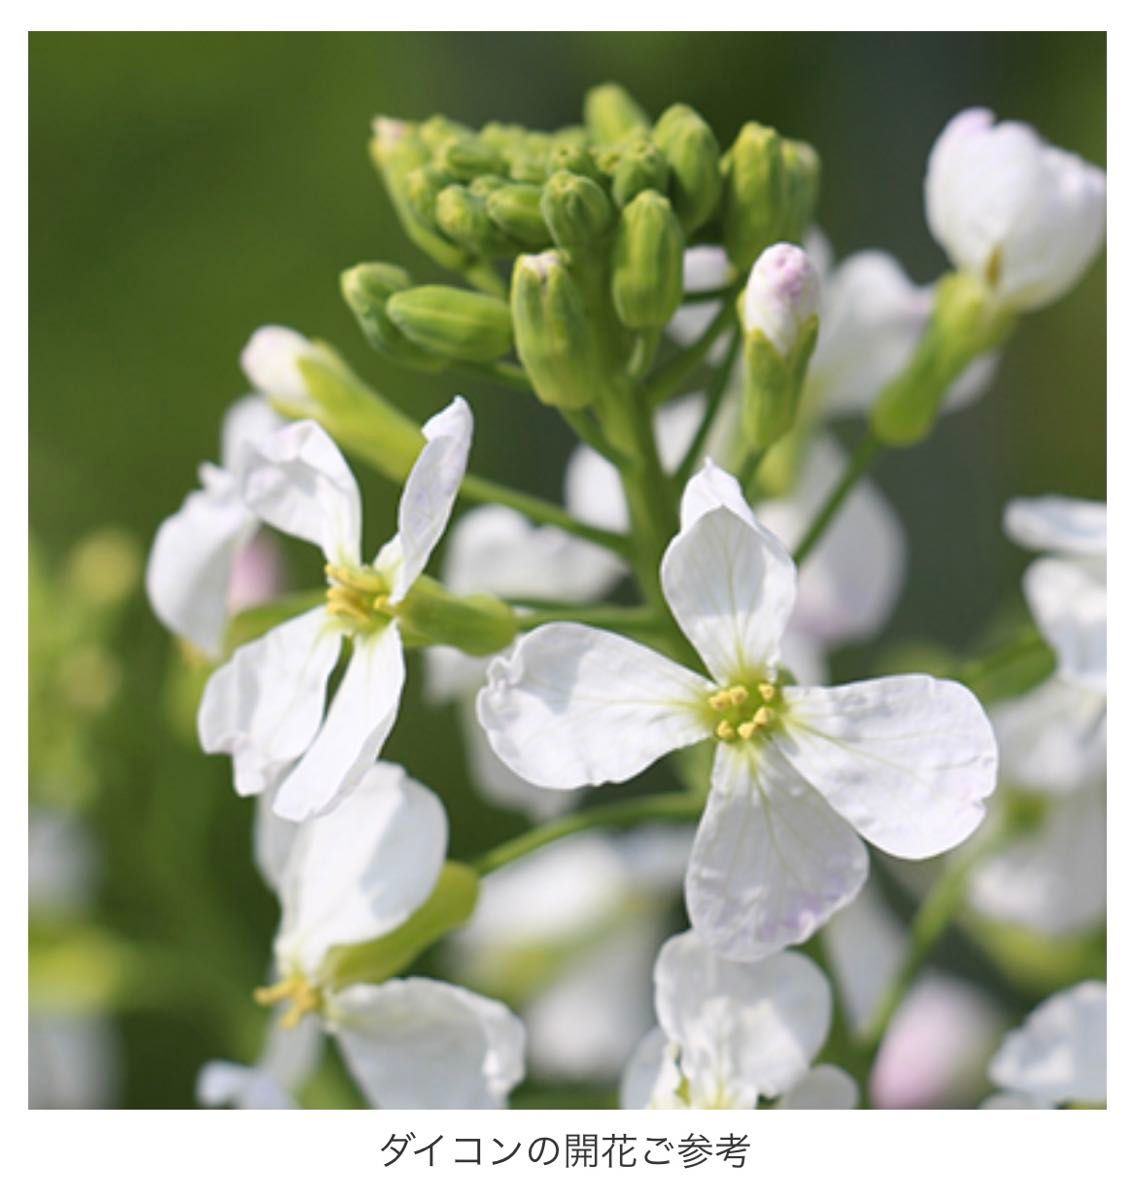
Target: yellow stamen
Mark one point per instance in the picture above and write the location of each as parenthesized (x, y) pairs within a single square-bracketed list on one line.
[(725, 731), (739, 694), (303, 996), (720, 701), (767, 692), (746, 729), (762, 717)]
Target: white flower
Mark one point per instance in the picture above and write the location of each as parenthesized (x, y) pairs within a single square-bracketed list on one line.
[(730, 1033), (1058, 1056), (904, 761), (271, 361), (1024, 216), (781, 296), (191, 566), (265, 706), (704, 269), (495, 550), (352, 876)]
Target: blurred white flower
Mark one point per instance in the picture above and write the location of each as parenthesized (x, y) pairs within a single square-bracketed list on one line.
[(1025, 217), (731, 1033), (196, 552), (349, 877), (798, 772), (265, 706), (289, 1058), (1058, 1056)]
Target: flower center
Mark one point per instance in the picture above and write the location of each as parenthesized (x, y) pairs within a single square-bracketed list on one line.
[(358, 595), (303, 997), (745, 711)]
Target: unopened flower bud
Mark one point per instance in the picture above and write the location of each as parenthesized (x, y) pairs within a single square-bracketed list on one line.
[(640, 166), (453, 323), (610, 114), (646, 279), (305, 379), (468, 157), (778, 312), (556, 341), (397, 151), (1024, 217), (515, 210), (432, 616), (367, 288), (692, 153), (577, 212), (771, 188), (438, 131), (464, 218), (565, 156)]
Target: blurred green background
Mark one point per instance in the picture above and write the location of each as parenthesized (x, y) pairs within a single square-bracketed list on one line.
[(186, 188)]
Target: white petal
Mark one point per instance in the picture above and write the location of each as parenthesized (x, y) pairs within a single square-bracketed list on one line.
[(651, 1078), (494, 549), (907, 760), (270, 360), (847, 589), (357, 724), (497, 783), (742, 1027), (246, 424), (1069, 602), (771, 861), (430, 491), (420, 1043), (191, 563), (272, 839), (1052, 880), (1059, 1053), (710, 488), (823, 1087), (361, 870), (225, 1084), (264, 705), (1053, 738), (298, 482), (291, 1055), (1013, 1100), (1058, 525), (872, 317), (864, 944), (731, 586), (570, 706), (703, 269)]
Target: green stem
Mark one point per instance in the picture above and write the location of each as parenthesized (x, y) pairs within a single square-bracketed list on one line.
[(706, 295), (588, 431), (671, 806), (485, 491), (669, 378), (609, 616), (861, 460), (932, 919), (747, 472), (714, 397)]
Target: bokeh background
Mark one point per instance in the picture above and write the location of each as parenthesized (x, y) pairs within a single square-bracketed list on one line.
[(185, 189)]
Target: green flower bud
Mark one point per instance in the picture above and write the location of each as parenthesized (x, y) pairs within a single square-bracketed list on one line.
[(646, 278), (964, 324), (437, 130), (515, 210), (556, 341), (367, 288), (502, 136), (477, 625), (778, 313), (527, 168), (397, 151), (610, 114), (692, 153), (464, 219), (579, 160), (453, 323), (423, 187), (641, 167), (469, 157), (772, 185), (485, 185), (577, 212)]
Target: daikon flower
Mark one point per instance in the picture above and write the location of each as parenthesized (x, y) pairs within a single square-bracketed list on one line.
[(798, 772), (731, 1033), (1058, 1056), (1025, 217), (352, 876), (265, 706), (195, 553)]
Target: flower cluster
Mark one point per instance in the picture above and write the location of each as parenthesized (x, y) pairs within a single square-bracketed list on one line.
[(676, 306)]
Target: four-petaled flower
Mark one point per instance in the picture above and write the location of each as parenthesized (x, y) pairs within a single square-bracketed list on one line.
[(798, 773), (265, 706)]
